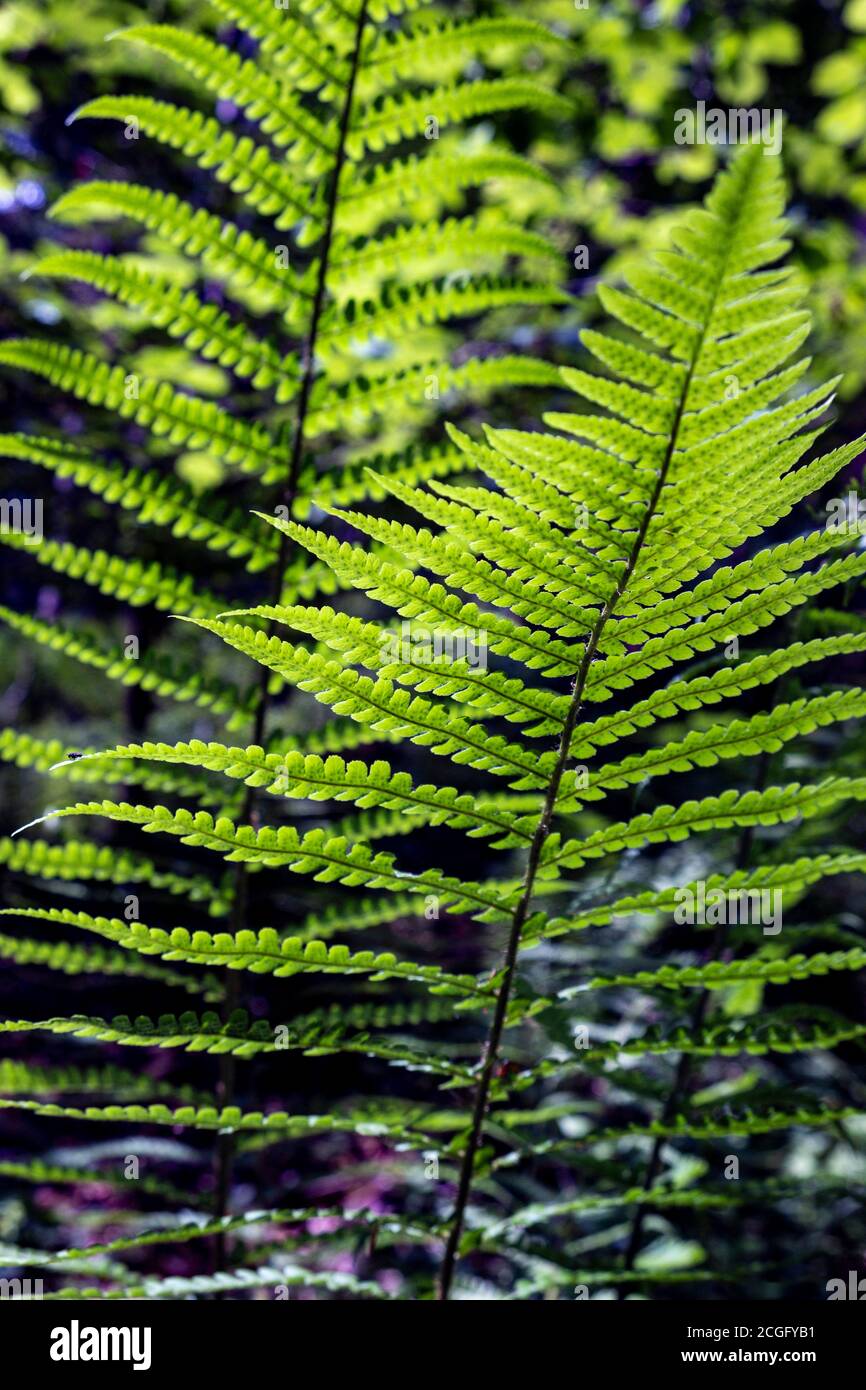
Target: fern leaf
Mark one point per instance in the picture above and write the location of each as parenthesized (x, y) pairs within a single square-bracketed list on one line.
[(227, 252), (153, 404), (158, 501), (392, 119), (288, 123), (70, 958), (300, 775), (77, 859), (262, 953), (205, 329), (243, 164)]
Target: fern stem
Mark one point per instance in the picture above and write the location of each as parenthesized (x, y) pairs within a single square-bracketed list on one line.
[(494, 1038), (226, 1145), (492, 1045)]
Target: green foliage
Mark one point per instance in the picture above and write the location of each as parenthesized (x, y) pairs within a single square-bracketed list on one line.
[(586, 562)]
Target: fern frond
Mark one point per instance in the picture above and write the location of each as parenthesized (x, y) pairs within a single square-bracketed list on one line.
[(339, 407), (298, 47), (237, 1038), (262, 953), (299, 775), (384, 708), (763, 733), (38, 1171), (744, 1122), (289, 124), (156, 500), (230, 1118), (227, 252), (372, 195), (205, 329), (406, 308), (243, 164), (17, 1078), (727, 682), (389, 120), (789, 879), (369, 1220), (154, 404), (393, 57), (773, 806), (720, 974), (70, 958), (481, 236), (226, 1281), (152, 672), (76, 859)]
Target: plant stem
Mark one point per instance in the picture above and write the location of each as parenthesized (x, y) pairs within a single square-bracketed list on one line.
[(494, 1038), (491, 1047), (225, 1148)]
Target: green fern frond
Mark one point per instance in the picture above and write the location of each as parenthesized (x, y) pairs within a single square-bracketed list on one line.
[(37, 1171), (156, 500), (237, 1038), (230, 1118), (244, 165), (373, 1221), (18, 1077), (158, 673), (308, 776), (226, 1281), (154, 404), (390, 120), (262, 953), (82, 860), (719, 974), (291, 127), (203, 327), (373, 195), (132, 581), (71, 958), (653, 524), (227, 252)]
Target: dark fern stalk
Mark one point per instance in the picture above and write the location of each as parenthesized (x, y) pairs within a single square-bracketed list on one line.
[(228, 1065), (308, 51), (491, 1051)]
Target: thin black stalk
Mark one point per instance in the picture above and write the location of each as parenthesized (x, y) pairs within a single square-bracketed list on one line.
[(224, 1156), (494, 1038)]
